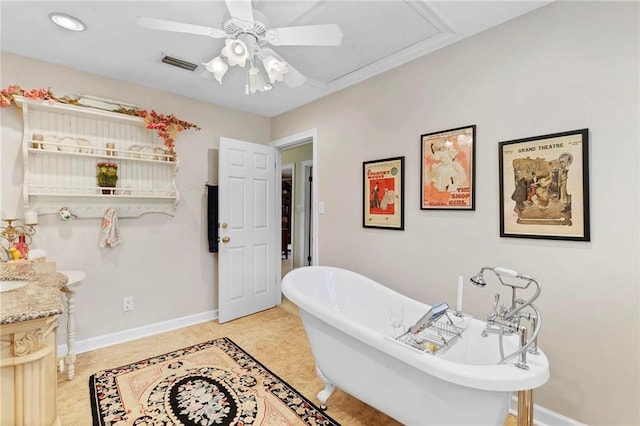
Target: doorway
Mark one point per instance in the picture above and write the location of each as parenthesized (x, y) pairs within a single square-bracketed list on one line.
[(302, 203), (288, 216), (295, 206)]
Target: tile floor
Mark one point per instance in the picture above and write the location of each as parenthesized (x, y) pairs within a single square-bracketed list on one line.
[(275, 337)]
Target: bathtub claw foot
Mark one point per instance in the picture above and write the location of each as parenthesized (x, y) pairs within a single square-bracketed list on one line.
[(324, 394)]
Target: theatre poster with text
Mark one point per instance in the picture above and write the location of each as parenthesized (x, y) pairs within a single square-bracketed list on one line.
[(544, 187), (448, 169), (383, 182)]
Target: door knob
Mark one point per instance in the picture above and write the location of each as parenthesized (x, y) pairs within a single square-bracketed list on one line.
[(226, 239)]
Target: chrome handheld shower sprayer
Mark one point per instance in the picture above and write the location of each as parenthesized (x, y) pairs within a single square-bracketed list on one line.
[(505, 319)]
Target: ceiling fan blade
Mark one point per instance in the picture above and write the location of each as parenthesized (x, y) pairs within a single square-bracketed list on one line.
[(310, 35), (293, 77), (242, 12), (180, 27)]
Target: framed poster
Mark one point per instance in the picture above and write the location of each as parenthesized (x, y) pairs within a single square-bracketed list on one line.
[(447, 169), (383, 193), (544, 187)]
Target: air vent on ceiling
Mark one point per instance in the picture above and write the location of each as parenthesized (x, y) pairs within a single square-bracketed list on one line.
[(179, 63)]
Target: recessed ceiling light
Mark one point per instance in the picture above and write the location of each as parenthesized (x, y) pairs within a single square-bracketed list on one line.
[(67, 22)]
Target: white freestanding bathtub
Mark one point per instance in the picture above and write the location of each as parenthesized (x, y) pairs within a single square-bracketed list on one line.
[(345, 316)]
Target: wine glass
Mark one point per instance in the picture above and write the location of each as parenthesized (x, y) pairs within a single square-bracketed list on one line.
[(396, 318)]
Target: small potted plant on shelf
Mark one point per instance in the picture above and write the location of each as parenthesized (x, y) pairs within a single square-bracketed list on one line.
[(107, 176)]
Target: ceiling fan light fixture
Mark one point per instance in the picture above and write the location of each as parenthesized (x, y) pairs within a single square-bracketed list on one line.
[(245, 33), (275, 68), (218, 67), (67, 22), (256, 82), (236, 52)]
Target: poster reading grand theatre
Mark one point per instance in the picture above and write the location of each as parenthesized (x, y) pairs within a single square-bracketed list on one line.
[(544, 187), (383, 193)]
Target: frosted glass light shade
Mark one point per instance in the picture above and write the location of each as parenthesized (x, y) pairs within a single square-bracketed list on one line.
[(256, 82), (275, 68), (236, 52), (218, 67)]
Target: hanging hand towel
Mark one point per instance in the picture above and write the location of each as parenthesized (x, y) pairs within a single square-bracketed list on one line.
[(110, 234), (212, 217)]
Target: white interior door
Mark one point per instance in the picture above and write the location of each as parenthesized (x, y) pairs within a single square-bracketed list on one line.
[(248, 247)]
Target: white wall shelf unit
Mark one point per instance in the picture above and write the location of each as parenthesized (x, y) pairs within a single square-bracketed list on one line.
[(62, 145)]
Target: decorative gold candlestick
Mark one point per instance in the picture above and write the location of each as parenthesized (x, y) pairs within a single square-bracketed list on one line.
[(12, 233)]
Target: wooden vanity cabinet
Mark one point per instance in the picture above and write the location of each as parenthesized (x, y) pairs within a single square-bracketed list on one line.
[(28, 375)]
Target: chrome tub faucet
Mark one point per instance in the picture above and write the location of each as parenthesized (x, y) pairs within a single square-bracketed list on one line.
[(507, 320)]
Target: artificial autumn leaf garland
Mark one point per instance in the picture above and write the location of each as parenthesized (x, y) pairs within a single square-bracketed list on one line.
[(166, 126)]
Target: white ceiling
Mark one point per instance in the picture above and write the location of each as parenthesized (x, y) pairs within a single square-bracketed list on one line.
[(378, 36)]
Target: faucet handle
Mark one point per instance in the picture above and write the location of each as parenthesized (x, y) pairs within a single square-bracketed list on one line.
[(496, 299), (491, 320), (503, 309)]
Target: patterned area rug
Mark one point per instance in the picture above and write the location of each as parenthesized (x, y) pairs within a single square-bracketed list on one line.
[(211, 383)]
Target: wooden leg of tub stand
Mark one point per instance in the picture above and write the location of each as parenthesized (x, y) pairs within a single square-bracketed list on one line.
[(324, 394), (525, 407)]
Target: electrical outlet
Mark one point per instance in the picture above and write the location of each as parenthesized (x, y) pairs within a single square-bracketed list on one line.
[(127, 303)]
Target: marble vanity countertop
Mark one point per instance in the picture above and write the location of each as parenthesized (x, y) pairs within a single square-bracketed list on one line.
[(39, 298)]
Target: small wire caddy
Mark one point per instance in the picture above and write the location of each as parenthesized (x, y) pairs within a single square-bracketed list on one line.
[(439, 336)]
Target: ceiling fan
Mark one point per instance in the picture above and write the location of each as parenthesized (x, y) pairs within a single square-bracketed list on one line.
[(246, 36)]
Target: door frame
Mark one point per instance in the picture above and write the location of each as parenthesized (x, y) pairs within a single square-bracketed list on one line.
[(306, 136), (305, 236)]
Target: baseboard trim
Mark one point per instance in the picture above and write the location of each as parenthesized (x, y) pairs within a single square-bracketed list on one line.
[(99, 342), (543, 416)]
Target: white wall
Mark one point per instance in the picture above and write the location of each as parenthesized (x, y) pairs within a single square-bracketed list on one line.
[(566, 66), (163, 261)]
